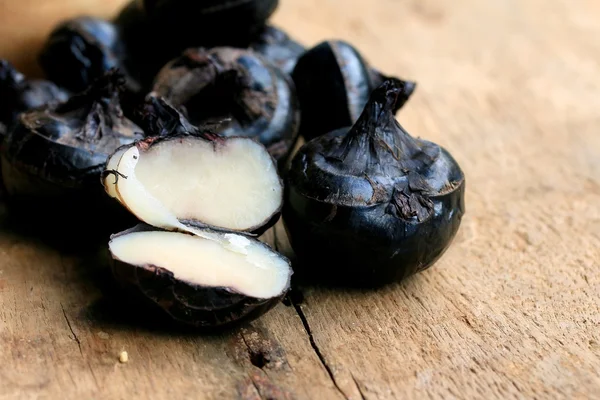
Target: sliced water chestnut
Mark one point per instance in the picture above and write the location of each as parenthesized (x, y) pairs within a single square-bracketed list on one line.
[(18, 94), (179, 182), (81, 50), (333, 83), (371, 204), (53, 156), (237, 90), (278, 48), (207, 279)]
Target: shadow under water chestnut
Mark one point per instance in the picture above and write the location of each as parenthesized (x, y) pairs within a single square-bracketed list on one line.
[(236, 91), (370, 204)]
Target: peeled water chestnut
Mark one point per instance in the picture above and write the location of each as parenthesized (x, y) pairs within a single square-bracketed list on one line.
[(81, 50), (53, 156), (237, 91), (19, 94), (370, 204), (333, 83)]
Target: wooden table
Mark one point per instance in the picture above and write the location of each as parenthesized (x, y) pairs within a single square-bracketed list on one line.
[(512, 89)]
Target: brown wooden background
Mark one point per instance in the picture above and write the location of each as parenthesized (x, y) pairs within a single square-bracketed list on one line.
[(512, 89)]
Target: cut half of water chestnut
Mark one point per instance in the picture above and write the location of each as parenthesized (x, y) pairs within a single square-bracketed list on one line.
[(183, 182), (205, 279)]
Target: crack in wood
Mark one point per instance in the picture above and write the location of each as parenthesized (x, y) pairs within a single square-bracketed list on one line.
[(316, 349), (362, 395), (75, 338), (256, 387)]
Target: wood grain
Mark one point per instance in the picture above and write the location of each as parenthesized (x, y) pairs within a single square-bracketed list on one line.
[(512, 310)]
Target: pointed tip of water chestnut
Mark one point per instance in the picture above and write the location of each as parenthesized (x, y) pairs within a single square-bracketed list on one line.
[(112, 81), (381, 104), (386, 95), (158, 117)]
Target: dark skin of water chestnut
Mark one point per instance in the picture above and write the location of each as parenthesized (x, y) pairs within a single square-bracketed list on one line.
[(155, 32), (53, 157), (369, 205), (278, 48), (81, 50), (203, 307), (235, 90), (333, 83), (19, 94)]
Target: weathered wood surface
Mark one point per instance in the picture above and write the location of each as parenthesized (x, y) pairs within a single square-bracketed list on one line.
[(512, 89)]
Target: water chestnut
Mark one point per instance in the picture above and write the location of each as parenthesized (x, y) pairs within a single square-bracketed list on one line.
[(81, 50), (190, 23), (19, 94), (206, 279), (237, 91), (333, 83), (196, 179), (370, 204), (53, 156), (278, 48)]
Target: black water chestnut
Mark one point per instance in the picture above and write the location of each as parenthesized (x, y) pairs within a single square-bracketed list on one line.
[(18, 94), (189, 23), (333, 83), (81, 50), (371, 204), (54, 156), (237, 91), (206, 279), (278, 48)]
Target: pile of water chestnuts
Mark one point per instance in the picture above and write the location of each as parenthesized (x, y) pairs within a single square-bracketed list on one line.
[(184, 115)]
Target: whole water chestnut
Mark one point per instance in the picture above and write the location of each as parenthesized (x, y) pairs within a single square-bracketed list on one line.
[(333, 83), (237, 91), (278, 48), (192, 23), (370, 204), (53, 156), (145, 45), (18, 94), (156, 32), (81, 50)]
